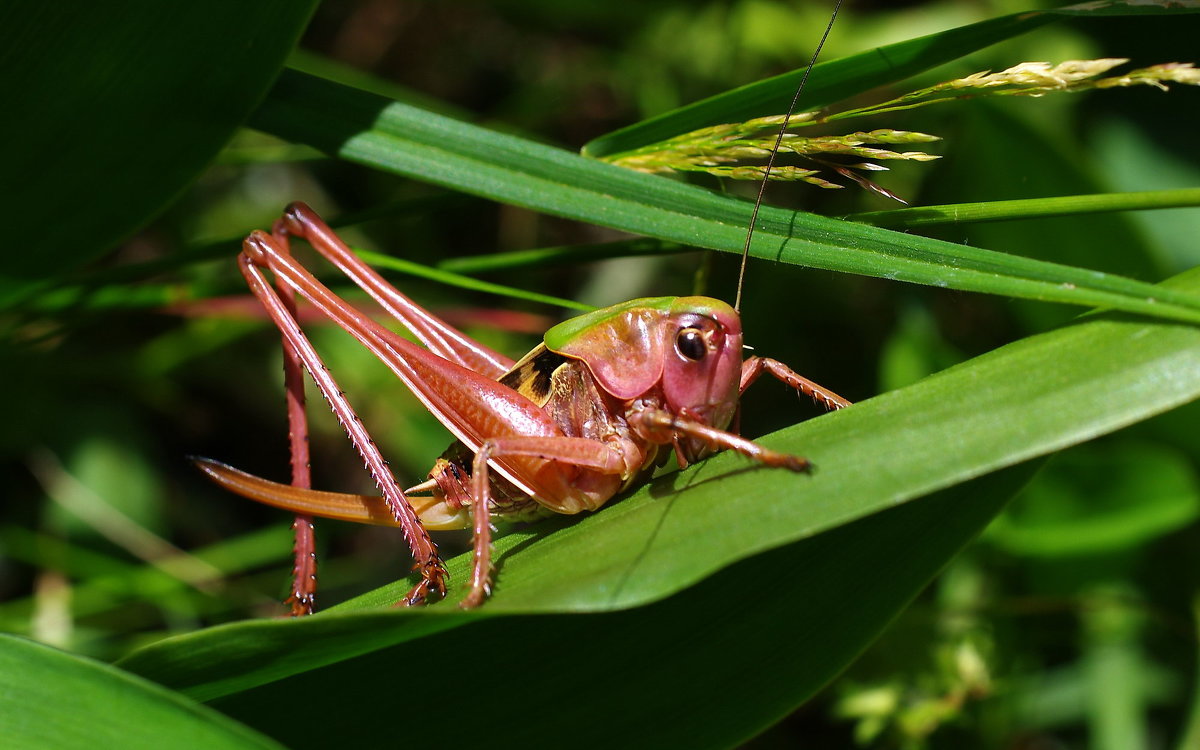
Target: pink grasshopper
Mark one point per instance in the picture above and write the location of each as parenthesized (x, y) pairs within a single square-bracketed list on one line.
[(591, 411)]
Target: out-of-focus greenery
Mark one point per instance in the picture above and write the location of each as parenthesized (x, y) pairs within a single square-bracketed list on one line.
[(1069, 622)]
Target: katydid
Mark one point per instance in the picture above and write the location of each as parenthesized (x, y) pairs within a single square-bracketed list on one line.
[(594, 409)]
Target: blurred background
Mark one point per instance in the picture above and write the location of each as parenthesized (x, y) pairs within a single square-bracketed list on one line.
[(1068, 624)]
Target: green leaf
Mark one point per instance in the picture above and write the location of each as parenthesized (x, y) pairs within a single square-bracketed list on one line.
[(1021, 401), (706, 669), (367, 129), (109, 121), (836, 80), (51, 699)]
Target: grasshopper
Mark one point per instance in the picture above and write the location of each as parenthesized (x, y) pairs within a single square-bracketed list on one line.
[(594, 409)]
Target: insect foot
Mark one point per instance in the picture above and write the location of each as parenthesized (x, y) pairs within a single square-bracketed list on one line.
[(778, 460), (431, 588), (476, 597)]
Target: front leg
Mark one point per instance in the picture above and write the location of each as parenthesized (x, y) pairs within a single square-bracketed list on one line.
[(755, 366), (662, 426)]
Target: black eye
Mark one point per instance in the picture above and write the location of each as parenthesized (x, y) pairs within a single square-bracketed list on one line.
[(690, 343)]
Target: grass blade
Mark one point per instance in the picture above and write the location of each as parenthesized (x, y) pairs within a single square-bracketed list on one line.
[(368, 129)]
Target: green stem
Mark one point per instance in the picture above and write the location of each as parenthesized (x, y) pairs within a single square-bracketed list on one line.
[(1029, 208), (561, 255), (464, 282)]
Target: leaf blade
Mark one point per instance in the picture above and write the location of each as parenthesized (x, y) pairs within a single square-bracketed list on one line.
[(103, 701), (783, 618), (369, 130)]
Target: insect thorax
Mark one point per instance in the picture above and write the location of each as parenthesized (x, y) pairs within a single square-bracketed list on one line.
[(566, 390)]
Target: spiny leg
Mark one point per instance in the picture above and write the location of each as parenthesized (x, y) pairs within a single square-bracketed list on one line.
[(467, 402), (304, 571), (433, 572), (664, 427), (606, 458), (441, 338), (753, 367)]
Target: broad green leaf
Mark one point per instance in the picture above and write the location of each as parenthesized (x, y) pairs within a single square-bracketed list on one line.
[(368, 129), (1021, 401), (706, 669), (52, 699), (109, 121), (836, 80)]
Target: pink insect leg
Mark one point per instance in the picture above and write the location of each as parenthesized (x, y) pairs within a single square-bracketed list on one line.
[(304, 571), (754, 366), (585, 453), (432, 570), (665, 427), (441, 338)]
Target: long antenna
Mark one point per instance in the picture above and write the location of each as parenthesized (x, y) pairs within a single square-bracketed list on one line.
[(762, 188)]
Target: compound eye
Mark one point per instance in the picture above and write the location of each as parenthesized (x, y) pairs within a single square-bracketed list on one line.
[(690, 343)]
